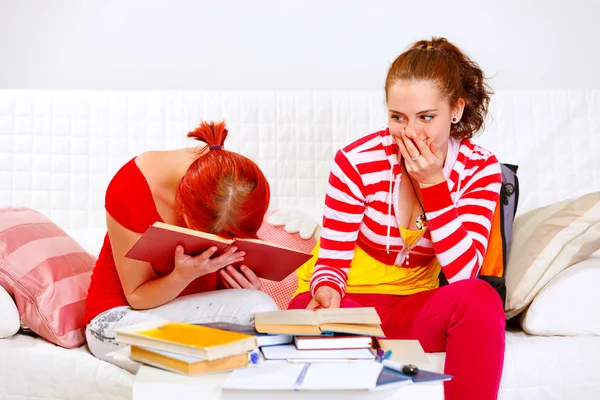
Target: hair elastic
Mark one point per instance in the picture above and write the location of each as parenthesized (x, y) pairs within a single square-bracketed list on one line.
[(215, 147)]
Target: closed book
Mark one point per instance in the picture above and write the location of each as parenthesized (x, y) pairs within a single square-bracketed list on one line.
[(290, 352), (185, 364), (333, 342), (262, 339), (267, 260), (358, 321), (186, 339)]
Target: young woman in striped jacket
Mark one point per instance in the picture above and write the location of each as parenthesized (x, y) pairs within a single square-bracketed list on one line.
[(408, 202)]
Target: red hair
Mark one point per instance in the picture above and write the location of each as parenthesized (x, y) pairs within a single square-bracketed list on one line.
[(222, 192), (457, 76)]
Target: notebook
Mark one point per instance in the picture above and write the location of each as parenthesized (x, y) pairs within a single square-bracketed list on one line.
[(309, 376)]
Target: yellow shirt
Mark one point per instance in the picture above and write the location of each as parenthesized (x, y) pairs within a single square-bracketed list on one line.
[(367, 275)]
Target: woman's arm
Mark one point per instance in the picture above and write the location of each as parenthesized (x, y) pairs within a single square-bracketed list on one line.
[(460, 233), (344, 212), (142, 287)]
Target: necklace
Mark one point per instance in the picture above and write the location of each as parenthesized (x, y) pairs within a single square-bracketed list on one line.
[(421, 221)]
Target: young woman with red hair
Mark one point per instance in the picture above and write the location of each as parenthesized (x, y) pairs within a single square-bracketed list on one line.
[(206, 188)]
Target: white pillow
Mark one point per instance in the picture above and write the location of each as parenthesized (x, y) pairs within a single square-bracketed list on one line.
[(9, 315), (568, 305), (546, 241)]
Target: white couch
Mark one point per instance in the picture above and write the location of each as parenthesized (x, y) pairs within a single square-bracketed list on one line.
[(59, 149)]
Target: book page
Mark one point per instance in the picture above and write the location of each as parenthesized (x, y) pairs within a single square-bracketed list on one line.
[(363, 315), (266, 377), (191, 232), (347, 376), (355, 329), (262, 242), (286, 317), (318, 376)]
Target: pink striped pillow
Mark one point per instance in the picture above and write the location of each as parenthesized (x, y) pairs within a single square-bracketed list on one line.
[(47, 273)]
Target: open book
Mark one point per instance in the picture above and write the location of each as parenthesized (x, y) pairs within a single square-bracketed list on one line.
[(267, 260), (310, 376), (359, 321)]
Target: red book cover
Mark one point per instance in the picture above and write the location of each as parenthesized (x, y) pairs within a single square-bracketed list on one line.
[(267, 260)]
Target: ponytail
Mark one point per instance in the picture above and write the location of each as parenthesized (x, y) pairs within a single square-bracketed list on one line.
[(222, 192)]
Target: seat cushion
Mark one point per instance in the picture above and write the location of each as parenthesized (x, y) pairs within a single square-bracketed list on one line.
[(47, 273)]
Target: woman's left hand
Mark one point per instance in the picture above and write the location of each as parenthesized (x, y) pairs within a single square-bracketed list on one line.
[(424, 161), (231, 278)]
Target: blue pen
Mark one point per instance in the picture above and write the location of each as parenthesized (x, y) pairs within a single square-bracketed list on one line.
[(387, 355), (253, 357), (383, 356), (301, 377)]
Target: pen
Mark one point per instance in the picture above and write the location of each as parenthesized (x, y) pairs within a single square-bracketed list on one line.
[(383, 356), (253, 357), (406, 369), (311, 360), (301, 377)]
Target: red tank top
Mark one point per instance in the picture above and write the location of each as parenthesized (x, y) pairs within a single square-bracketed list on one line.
[(128, 201)]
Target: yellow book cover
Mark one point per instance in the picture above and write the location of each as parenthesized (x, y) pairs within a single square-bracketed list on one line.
[(187, 339)]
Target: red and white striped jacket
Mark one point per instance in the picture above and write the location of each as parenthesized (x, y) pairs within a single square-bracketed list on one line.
[(361, 208)]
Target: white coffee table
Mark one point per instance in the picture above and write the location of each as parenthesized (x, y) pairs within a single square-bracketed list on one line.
[(153, 383)]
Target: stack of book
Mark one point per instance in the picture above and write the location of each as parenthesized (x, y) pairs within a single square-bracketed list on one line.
[(324, 334), (186, 348)]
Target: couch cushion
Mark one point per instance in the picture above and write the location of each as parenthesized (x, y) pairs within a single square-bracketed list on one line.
[(568, 305), (9, 315), (546, 241), (47, 273)]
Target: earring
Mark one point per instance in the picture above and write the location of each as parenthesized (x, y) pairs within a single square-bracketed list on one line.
[(454, 119)]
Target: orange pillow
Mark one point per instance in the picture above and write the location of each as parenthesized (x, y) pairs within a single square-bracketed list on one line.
[(283, 290), (47, 273)]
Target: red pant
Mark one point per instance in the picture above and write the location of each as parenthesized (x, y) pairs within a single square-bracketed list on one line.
[(465, 319)]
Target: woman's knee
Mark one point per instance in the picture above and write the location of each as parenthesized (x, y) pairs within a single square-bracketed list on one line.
[(252, 301), (478, 299)]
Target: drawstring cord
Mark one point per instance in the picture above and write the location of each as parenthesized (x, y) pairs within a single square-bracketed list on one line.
[(389, 212)]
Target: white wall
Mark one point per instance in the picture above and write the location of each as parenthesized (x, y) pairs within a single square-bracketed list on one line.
[(287, 44)]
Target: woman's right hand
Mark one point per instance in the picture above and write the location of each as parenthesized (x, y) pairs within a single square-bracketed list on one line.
[(191, 267), (325, 297)]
